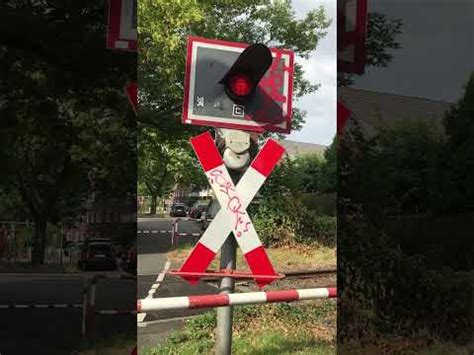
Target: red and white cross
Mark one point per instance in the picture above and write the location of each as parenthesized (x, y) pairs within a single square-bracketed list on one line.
[(233, 216)]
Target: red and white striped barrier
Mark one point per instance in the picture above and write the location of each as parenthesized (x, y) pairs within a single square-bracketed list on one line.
[(189, 234), (89, 326), (233, 299), (176, 234), (233, 217)]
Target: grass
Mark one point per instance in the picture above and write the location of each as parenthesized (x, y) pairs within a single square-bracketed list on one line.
[(297, 328), (157, 215), (118, 345), (403, 346), (285, 258)]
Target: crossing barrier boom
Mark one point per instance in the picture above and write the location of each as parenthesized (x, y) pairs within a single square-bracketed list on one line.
[(233, 299)]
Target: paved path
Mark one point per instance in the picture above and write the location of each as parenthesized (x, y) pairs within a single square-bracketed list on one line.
[(153, 246), (58, 330)]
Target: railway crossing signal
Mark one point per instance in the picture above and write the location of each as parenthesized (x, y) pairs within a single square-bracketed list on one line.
[(237, 86), (234, 86)]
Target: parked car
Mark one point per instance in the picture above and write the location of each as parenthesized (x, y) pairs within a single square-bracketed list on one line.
[(197, 209), (97, 253), (178, 210), (208, 215)]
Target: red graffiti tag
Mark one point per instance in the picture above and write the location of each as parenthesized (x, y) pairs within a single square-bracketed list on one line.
[(233, 204), (270, 110)]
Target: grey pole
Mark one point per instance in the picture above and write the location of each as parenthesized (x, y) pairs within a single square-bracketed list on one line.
[(225, 314)]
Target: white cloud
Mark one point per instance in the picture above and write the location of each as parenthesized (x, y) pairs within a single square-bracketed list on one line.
[(320, 68)]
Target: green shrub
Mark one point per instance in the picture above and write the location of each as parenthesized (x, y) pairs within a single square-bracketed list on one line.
[(323, 204), (383, 291), (285, 221)]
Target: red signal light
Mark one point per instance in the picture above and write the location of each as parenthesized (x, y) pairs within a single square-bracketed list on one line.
[(240, 85), (242, 78)]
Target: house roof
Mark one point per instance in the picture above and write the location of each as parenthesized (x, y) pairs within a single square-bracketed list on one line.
[(383, 109), (299, 148)]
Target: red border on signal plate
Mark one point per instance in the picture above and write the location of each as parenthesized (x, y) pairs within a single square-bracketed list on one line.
[(113, 28), (356, 38), (239, 126)]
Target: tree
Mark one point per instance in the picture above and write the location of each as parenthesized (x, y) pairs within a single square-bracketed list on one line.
[(153, 175), (380, 41), (163, 164), (329, 170), (455, 171), (163, 28), (62, 105)]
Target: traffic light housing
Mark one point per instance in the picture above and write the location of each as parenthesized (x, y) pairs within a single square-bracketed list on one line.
[(238, 86), (243, 77)]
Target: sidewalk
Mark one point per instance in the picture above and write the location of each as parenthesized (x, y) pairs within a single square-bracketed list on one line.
[(158, 215), (27, 268)]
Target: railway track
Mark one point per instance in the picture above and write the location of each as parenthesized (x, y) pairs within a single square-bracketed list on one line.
[(293, 275), (309, 273)]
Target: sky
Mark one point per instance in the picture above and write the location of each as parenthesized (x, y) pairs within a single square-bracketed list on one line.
[(435, 60), (437, 53), (320, 68)]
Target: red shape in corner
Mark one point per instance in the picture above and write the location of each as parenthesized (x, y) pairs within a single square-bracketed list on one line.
[(343, 114), (132, 94)]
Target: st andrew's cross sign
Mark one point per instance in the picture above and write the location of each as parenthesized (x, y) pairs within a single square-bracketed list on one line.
[(233, 216)]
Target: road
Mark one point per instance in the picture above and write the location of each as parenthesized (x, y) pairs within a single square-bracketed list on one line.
[(154, 242), (59, 330)]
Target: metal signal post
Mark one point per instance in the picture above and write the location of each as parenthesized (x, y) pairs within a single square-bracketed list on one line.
[(236, 157)]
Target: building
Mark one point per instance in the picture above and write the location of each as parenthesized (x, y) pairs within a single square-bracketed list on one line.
[(294, 149), (107, 217), (374, 110)]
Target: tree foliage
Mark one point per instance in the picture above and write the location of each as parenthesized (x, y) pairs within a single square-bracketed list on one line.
[(309, 173), (456, 168), (380, 42), (163, 164), (63, 129), (403, 199)]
